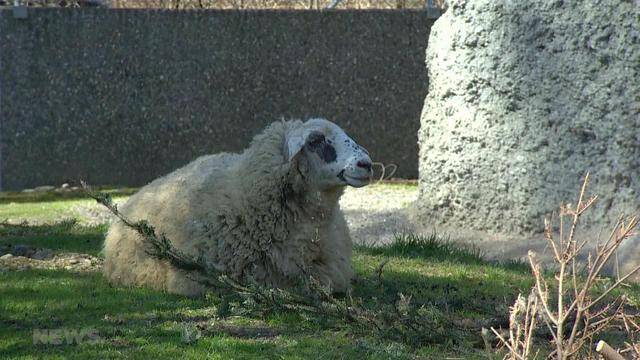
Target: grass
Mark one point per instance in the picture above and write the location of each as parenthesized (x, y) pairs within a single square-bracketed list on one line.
[(8, 197), (49, 206), (66, 235), (460, 292)]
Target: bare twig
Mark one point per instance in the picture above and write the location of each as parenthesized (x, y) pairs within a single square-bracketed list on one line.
[(380, 269), (572, 321)]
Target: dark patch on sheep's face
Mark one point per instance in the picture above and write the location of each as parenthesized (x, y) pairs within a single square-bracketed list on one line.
[(329, 158), (318, 143)]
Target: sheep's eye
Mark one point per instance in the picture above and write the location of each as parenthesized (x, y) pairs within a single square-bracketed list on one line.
[(315, 138), (317, 143)]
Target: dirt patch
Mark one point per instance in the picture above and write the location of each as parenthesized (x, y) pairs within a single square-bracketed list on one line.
[(63, 261), (376, 213)]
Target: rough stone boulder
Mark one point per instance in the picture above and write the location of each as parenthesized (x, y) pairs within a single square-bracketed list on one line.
[(524, 98)]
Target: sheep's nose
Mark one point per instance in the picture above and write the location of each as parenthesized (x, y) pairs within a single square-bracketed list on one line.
[(365, 164)]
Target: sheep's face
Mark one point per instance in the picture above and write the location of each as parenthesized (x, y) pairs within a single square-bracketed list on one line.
[(327, 156)]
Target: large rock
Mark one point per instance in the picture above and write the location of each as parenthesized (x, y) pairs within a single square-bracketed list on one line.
[(524, 98)]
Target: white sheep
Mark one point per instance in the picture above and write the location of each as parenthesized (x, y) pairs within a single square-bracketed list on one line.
[(270, 213)]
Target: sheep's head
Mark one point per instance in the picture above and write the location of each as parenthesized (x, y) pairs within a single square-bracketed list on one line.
[(326, 156)]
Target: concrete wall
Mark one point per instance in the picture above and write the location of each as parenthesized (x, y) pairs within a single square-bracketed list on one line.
[(524, 98), (123, 96)]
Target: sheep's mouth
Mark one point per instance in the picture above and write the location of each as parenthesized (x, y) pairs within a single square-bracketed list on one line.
[(354, 181)]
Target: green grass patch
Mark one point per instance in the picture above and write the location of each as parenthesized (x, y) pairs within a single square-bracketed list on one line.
[(40, 212), (451, 286), (51, 206), (8, 197), (67, 235)]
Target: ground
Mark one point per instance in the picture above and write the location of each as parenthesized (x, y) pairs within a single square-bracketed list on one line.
[(375, 214), (460, 293)]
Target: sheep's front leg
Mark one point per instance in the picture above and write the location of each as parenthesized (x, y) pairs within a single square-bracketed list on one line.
[(334, 265), (335, 273)]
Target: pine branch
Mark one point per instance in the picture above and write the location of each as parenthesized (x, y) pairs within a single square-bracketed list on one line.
[(312, 297)]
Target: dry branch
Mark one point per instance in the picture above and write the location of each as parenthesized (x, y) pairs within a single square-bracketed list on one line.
[(567, 302), (311, 297), (607, 351)]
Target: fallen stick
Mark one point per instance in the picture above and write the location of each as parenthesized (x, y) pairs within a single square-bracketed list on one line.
[(607, 351)]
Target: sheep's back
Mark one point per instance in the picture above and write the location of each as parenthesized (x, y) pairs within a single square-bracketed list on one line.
[(174, 203)]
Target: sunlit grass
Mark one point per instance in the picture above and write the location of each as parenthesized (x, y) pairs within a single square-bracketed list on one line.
[(141, 323), (459, 290)]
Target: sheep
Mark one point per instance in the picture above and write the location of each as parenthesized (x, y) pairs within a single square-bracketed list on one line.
[(270, 214)]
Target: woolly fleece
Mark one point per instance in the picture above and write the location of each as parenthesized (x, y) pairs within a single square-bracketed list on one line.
[(250, 215)]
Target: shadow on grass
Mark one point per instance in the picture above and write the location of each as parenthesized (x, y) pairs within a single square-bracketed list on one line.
[(453, 282), (466, 294), (134, 322), (434, 247), (66, 235), (53, 299), (459, 290)]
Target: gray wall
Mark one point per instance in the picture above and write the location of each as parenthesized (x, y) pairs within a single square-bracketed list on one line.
[(121, 97), (525, 98)]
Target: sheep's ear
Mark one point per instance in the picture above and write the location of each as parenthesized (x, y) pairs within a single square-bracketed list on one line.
[(294, 142)]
